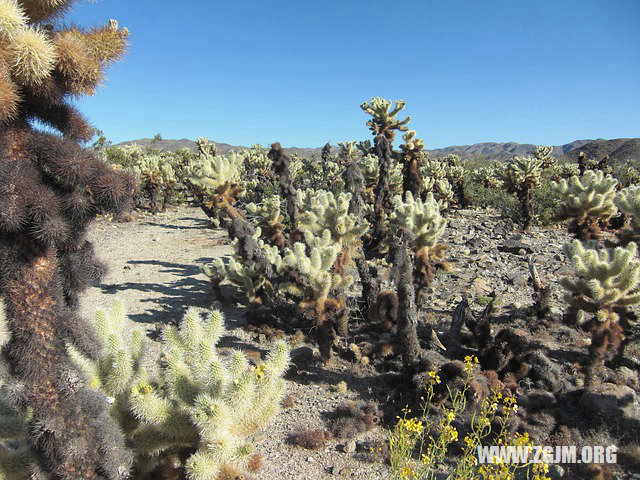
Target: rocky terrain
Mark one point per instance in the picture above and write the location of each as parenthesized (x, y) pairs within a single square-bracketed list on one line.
[(154, 269)]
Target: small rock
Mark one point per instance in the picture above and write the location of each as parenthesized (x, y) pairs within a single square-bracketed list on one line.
[(555, 472), (515, 246), (334, 470), (349, 447), (611, 402), (479, 285)]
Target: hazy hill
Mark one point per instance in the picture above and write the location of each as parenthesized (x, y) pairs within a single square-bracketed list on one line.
[(620, 149), (173, 145)]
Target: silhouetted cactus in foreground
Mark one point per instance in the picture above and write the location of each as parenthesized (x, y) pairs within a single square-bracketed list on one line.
[(50, 190)]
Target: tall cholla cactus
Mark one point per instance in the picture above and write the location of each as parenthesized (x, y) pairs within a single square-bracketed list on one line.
[(628, 202), (321, 210), (424, 222), (383, 125), (197, 414), (411, 159), (384, 121), (50, 191), (607, 284), (216, 183), (544, 155), (588, 202), (522, 175), (206, 147)]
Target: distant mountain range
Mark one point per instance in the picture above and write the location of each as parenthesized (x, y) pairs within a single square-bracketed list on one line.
[(620, 149)]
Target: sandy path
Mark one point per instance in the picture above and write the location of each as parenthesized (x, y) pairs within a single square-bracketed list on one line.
[(154, 269)]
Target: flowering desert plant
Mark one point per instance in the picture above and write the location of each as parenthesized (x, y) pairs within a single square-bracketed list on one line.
[(418, 445)]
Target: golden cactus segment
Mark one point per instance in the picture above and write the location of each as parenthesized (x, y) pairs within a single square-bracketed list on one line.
[(32, 56), (12, 19), (9, 97), (78, 67)]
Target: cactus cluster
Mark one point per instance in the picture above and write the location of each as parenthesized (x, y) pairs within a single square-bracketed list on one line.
[(195, 413), (628, 202), (521, 175), (607, 284), (588, 202), (216, 183), (321, 210), (50, 190), (423, 220), (545, 156), (158, 179)]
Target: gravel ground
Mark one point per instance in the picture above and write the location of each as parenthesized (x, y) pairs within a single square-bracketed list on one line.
[(154, 269)]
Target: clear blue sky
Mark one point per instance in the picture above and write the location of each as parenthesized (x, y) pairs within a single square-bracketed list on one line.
[(245, 72)]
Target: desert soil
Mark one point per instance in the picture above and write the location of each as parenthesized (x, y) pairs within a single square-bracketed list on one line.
[(154, 269)]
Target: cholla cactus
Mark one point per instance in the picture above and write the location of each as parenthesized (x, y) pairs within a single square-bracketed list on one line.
[(348, 151), (197, 414), (443, 192), (206, 147), (607, 284), (488, 177), (423, 220), (323, 211), (384, 121), (544, 155), (50, 191), (364, 147), (119, 367), (156, 174), (247, 277), (628, 202), (564, 170), (270, 220), (321, 286), (588, 202), (216, 184), (521, 175), (434, 169), (411, 159), (456, 175)]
